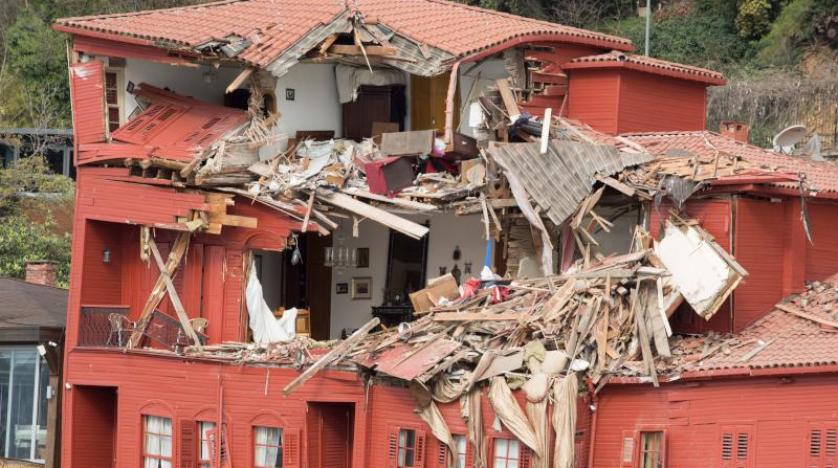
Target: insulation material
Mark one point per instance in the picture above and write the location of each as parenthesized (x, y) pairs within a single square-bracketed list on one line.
[(433, 417), (265, 327), (510, 414), (564, 420), (701, 271)]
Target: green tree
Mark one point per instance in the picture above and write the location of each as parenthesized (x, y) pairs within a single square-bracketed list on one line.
[(29, 193)]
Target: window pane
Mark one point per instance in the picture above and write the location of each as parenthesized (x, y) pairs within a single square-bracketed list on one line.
[(261, 455), (514, 450), (5, 390), (205, 427), (460, 443), (23, 401), (43, 383), (500, 448), (408, 457)]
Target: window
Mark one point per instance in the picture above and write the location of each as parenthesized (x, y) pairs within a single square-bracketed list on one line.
[(407, 447), (736, 449), (205, 448), (460, 443), (157, 442), (113, 98), (24, 377), (821, 449), (651, 449), (507, 453), (267, 447)]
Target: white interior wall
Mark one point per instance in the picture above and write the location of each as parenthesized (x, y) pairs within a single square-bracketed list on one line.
[(447, 231), (315, 105), (187, 81), (488, 72)]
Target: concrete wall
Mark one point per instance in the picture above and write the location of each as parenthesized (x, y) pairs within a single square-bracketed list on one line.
[(447, 231)]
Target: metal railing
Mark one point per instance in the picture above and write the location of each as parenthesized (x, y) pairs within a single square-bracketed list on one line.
[(108, 326)]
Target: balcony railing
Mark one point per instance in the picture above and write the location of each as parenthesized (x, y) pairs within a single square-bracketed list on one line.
[(109, 326)]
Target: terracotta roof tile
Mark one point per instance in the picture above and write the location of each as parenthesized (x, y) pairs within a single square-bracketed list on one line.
[(820, 176), (792, 341), (274, 25), (640, 62)]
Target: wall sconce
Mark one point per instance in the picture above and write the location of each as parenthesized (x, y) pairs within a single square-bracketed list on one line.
[(106, 255)]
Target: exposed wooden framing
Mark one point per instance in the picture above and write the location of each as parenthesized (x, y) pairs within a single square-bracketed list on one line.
[(370, 50), (324, 46), (337, 351), (406, 227), (508, 98), (400, 202), (173, 296), (179, 248), (239, 80)]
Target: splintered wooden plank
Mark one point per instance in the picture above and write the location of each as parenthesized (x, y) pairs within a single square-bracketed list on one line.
[(508, 98)]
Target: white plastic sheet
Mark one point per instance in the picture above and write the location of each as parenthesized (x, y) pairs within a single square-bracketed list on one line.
[(265, 327)]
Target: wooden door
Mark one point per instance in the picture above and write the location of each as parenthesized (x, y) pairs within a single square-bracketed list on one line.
[(318, 285), (330, 429), (427, 102)]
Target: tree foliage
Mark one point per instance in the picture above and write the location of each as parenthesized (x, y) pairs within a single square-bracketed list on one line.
[(29, 194)]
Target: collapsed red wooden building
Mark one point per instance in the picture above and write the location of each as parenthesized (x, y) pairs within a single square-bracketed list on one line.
[(133, 397)]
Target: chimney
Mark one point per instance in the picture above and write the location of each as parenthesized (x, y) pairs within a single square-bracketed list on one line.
[(43, 272), (736, 130)]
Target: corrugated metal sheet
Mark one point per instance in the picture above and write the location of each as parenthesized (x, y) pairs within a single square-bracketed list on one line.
[(560, 178)]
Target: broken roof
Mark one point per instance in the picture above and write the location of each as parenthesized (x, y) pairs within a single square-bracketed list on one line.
[(801, 331), (821, 177), (647, 64), (267, 28)]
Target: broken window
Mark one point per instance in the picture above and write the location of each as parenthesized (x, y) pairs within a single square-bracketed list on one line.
[(157, 442), (267, 447), (205, 452), (507, 453), (651, 449), (113, 98), (407, 447)]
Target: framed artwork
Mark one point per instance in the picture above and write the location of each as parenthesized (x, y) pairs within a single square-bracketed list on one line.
[(341, 288), (362, 288), (363, 254)]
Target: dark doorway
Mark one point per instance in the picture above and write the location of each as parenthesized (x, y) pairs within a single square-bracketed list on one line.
[(406, 264), (329, 428), (304, 285), (94, 426), (374, 104)]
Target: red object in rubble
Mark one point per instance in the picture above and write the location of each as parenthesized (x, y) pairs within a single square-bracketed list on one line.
[(389, 176)]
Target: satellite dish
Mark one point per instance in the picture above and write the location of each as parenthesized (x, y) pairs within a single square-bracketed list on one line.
[(785, 140)]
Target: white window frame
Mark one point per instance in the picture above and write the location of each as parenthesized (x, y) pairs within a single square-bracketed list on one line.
[(35, 428), (120, 96)]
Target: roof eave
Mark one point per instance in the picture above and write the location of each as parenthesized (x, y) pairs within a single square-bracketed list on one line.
[(681, 75)]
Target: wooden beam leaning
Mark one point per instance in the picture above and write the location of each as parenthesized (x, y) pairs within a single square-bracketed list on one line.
[(173, 295), (337, 352), (179, 248)]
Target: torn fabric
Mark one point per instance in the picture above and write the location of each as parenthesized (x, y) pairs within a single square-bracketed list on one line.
[(429, 412), (471, 413), (266, 328), (513, 418), (564, 420)]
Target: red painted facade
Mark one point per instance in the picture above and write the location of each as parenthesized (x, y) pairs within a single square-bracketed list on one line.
[(109, 391), (615, 100)]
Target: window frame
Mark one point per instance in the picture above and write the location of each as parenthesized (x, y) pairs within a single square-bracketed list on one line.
[(636, 450), (641, 449), (202, 439), (144, 455), (493, 458), (255, 445), (119, 72)]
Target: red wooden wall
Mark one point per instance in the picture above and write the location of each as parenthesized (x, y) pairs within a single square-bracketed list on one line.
[(593, 98), (653, 103), (621, 101), (93, 427), (778, 412)]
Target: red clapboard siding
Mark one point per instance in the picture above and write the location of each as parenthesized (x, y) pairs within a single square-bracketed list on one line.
[(650, 103), (88, 99), (93, 426), (694, 415), (760, 229), (822, 254), (593, 98)]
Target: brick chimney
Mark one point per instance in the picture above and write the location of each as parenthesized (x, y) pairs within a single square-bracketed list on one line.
[(43, 272), (736, 130)]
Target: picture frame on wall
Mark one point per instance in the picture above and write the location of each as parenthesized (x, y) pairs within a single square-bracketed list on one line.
[(362, 288), (341, 288)]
